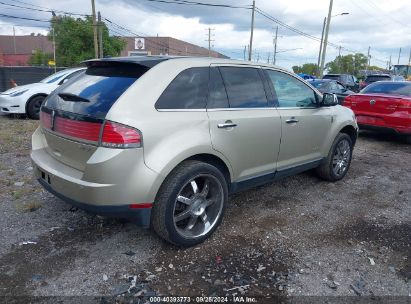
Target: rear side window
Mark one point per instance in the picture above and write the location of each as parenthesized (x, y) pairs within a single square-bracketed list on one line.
[(187, 91), (244, 87), (393, 88), (94, 92)]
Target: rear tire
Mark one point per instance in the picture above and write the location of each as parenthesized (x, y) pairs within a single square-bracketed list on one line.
[(190, 204), (33, 107), (338, 161)]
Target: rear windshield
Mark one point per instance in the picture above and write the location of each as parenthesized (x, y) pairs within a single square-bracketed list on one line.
[(370, 79), (335, 77), (95, 91), (391, 88)]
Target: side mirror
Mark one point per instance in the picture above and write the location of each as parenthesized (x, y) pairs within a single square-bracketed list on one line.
[(329, 100)]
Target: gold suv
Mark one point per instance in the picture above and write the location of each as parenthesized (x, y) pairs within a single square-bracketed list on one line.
[(165, 140)]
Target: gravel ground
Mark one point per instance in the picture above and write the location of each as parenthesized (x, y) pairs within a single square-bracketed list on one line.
[(298, 236)]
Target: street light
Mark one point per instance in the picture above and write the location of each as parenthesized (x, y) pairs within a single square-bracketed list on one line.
[(342, 14), (327, 29)]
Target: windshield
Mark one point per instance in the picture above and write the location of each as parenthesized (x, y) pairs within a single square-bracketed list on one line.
[(391, 88), (55, 77), (319, 84)]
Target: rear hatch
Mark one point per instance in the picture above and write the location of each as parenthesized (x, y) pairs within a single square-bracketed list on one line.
[(73, 116)]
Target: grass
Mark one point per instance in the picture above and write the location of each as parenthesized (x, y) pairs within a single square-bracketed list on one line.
[(30, 206), (15, 133)]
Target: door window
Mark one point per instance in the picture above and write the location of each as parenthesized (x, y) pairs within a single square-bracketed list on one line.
[(187, 91), (290, 91), (244, 87)]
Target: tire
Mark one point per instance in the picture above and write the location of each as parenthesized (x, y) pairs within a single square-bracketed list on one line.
[(338, 160), (33, 107), (186, 214)]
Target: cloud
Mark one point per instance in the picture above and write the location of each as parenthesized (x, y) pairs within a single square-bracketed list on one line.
[(384, 25)]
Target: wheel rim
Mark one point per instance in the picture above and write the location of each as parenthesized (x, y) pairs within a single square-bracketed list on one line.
[(341, 158), (198, 206), (37, 105)]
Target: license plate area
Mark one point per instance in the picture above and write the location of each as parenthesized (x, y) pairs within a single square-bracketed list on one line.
[(45, 177)]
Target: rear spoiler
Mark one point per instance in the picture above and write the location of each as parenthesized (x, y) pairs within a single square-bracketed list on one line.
[(145, 61)]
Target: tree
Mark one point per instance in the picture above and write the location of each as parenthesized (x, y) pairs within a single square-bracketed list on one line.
[(40, 58), (350, 64), (306, 68), (74, 40)]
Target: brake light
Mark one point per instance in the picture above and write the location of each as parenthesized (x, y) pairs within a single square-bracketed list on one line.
[(120, 136), (78, 129), (45, 120)]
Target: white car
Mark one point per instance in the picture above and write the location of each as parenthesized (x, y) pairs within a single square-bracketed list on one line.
[(27, 99)]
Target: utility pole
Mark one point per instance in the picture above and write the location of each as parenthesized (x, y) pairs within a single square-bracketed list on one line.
[(368, 58), (339, 59), (268, 57), (327, 29), (409, 59), (250, 50), (389, 67), (209, 41), (275, 45), (399, 57), (245, 51), (100, 35), (14, 40), (321, 47), (53, 24), (93, 9)]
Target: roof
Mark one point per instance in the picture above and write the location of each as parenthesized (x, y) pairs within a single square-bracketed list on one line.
[(150, 61)]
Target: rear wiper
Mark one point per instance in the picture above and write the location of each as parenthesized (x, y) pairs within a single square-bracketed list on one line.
[(72, 97)]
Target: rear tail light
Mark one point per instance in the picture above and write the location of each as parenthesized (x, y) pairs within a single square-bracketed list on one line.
[(45, 120), (120, 136), (102, 133), (89, 131), (347, 101)]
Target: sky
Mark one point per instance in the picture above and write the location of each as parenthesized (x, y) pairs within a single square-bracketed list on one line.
[(384, 26)]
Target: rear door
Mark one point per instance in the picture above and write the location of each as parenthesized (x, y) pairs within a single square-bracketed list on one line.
[(304, 124), (244, 125)]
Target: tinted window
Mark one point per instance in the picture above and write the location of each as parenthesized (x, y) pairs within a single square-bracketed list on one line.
[(393, 88), (100, 85), (244, 87), (290, 91), (187, 91), (335, 77), (370, 79), (217, 95)]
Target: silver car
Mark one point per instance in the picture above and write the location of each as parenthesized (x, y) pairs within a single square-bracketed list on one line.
[(165, 140)]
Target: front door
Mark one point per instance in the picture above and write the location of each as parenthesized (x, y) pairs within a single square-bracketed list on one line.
[(304, 124)]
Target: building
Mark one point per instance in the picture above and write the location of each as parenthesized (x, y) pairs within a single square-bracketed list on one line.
[(17, 50), (165, 46)]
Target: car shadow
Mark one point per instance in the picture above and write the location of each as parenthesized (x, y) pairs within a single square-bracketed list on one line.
[(384, 136)]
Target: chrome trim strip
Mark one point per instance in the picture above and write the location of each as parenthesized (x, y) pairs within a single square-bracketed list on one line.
[(181, 110)]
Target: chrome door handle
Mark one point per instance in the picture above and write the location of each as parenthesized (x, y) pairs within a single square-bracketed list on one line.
[(226, 125), (291, 120)]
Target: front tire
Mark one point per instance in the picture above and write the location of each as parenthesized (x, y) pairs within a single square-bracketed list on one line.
[(33, 107), (190, 204), (338, 160)]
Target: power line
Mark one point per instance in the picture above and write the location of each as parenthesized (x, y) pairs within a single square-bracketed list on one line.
[(41, 8), (186, 2), (23, 18)]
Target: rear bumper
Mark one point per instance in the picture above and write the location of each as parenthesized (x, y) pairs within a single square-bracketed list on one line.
[(139, 216), (387, 129)]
